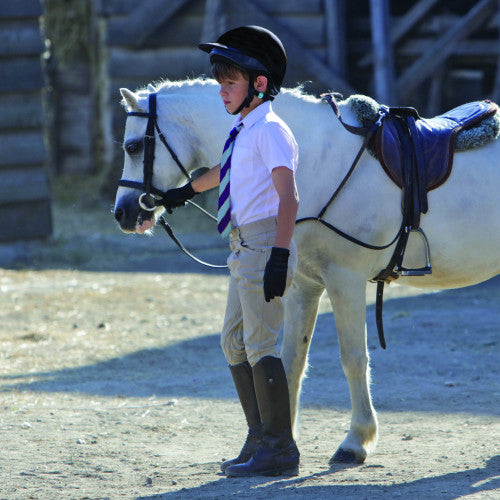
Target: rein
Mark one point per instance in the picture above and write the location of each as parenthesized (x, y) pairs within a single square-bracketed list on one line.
[(146, 200)]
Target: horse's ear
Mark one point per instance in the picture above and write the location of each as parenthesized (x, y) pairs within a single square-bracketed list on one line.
[(129, 99)]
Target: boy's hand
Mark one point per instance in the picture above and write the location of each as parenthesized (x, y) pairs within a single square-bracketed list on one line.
[(177, 197), (275, 273)]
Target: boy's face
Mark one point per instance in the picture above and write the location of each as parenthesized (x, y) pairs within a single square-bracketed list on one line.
[(233, 90)]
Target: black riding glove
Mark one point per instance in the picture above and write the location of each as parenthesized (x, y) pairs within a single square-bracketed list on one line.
[(275, 273), (177, 197)]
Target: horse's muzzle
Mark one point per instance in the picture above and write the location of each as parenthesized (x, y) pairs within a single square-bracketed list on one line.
[(129, 214)]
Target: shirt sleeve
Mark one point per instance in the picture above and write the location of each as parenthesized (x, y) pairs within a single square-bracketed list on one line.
[(278, 147)]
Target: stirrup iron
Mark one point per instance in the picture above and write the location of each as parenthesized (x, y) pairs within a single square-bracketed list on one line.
[(419, 271)]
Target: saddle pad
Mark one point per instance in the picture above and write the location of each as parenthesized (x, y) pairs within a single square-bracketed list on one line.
[(435, 139)]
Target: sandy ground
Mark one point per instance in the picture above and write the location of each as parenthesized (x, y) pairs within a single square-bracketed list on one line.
[(113, 385)]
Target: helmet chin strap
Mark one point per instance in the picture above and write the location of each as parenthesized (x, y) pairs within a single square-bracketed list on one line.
[(249, 98)]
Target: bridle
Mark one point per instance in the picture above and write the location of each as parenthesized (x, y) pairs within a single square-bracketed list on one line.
[(146, 200), (151, 196)]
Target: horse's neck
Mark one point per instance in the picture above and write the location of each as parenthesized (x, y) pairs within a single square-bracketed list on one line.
[(211, 126), (200, 113)]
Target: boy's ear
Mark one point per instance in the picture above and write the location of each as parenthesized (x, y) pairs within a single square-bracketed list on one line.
[(260, 83)]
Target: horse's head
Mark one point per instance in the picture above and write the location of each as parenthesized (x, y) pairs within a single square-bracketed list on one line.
[(159, 153)]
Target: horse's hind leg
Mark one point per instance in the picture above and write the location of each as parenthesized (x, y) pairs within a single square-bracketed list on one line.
[(347, 292), (301, 309)]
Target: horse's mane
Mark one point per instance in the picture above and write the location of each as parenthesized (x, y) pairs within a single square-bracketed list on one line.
[(364, 108), (167, 86)]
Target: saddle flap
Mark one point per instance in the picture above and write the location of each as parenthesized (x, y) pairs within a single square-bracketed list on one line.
[(389, 151)]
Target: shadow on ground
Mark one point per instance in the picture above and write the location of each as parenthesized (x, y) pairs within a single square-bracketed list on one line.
[(445, 487), (433, 344)]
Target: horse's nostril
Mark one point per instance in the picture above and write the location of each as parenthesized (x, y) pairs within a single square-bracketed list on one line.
[(126, 212), (119, 213)]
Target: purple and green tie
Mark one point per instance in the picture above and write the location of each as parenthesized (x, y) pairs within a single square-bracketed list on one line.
[(224, 210)]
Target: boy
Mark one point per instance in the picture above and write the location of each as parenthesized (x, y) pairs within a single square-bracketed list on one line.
[(257, 208)]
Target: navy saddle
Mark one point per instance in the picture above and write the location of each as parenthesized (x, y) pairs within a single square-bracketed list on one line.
[(417, 154), (420, 150)]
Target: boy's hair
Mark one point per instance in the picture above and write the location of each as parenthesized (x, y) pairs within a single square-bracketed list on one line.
[(222, 70)]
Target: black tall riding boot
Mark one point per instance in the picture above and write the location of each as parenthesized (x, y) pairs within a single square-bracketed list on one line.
[(243, 380), (278, 454)]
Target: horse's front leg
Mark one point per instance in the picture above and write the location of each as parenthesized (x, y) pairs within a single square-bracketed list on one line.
[(347, 292), (301, 309)]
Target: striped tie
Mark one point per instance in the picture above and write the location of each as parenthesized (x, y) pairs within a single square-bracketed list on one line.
[(224, 211)]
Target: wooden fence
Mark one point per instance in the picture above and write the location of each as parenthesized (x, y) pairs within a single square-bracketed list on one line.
[(24, 188)]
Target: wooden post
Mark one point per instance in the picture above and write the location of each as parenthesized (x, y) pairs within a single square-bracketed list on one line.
[(385, 90), (336, 52), (405, 23)]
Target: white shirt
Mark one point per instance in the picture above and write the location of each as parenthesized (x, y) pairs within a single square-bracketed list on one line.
[(264, 143)]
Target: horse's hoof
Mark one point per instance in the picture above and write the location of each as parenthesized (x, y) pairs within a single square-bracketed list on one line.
[(345, 457)]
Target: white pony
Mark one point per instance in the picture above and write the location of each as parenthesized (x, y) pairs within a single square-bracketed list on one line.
[(462, 225)]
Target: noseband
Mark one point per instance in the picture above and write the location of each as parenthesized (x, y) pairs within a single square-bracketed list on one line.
[(146, 200)]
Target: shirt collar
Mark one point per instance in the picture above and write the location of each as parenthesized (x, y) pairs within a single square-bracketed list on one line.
[(254, 116)]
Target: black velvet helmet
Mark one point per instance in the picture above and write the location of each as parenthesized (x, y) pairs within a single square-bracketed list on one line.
[(253, 49)]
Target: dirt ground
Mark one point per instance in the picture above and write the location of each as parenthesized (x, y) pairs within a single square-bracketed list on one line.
[(113, 385)]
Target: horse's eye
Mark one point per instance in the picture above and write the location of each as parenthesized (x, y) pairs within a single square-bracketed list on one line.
[(132, 147)]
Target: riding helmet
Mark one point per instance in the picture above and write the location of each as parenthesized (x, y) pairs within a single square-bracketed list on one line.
[(253, 49)]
